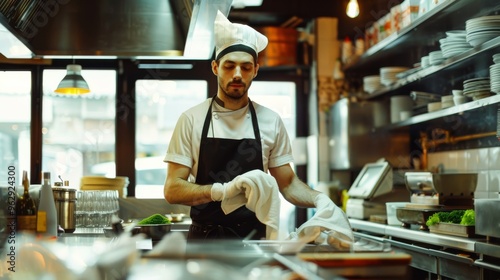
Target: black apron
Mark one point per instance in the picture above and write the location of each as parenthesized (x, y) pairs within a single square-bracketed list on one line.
[(220, 161)]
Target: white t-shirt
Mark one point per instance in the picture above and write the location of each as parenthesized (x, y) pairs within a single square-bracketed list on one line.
[(185, 143)]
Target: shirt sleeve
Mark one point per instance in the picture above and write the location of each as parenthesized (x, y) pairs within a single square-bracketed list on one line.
[(179, 149), (281, 153)]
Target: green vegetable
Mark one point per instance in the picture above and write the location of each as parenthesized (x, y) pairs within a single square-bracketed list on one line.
[(433, 219), (469, 218), (155, 219), (454, 217)]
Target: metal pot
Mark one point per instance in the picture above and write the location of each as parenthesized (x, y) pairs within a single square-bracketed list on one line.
[(65, 199)]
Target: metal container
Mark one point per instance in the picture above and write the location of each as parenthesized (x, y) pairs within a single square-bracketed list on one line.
[(352, 140), (487, 217), (452, 188), (65, 199), (155, 232)]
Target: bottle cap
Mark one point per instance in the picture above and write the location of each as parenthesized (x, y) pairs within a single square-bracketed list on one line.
[(46, 175)]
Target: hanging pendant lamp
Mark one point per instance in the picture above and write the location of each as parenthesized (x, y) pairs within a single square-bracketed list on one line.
[(73, 82), (352, 10)]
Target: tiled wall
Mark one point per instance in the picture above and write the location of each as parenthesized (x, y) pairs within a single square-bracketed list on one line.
[(486, 162)]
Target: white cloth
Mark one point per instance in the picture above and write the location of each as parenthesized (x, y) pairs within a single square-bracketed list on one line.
[(184, 145), (223, 191), (328, 225), (228, 34), (260, 194)]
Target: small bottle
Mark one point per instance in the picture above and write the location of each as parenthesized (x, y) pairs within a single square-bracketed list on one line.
[(26, 209), (47, 213)]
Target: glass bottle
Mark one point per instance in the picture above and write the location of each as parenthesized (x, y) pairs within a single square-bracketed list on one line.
[(26, 209)]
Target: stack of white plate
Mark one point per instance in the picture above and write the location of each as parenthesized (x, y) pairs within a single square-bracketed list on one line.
[(482, 29), (495, 74), (436, 57), (388, 74), (477, 88), (454, 43), (371, 83), (424, 61), (96, 183)]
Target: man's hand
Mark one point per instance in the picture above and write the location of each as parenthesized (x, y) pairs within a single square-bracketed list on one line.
[(221, 191)]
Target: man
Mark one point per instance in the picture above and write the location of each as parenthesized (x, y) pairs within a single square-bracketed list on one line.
[(226, 136)]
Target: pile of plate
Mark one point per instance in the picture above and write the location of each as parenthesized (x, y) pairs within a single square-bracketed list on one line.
[(436, 57), (477, 88), (454, 43), (482, 29), (388, 74), (495, 74), (371, 83), (96, 183), (424, 61)]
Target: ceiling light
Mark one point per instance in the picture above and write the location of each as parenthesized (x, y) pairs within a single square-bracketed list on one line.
[(352, 9), (73, 82)]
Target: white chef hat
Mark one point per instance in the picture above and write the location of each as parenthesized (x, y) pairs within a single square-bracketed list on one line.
[(231, 37)]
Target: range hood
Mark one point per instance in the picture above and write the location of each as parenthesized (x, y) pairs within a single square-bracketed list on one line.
[(116, 28)]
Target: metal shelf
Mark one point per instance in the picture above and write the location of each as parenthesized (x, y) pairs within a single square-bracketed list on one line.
[(458, 109), (449, 64), (423, 32)]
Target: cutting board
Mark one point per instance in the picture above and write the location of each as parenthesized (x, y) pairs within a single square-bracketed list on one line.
[(364, 265)]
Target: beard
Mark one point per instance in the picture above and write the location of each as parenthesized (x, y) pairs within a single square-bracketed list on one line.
[(235, 93)]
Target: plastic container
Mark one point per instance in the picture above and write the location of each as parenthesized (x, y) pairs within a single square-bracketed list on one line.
[(47, 213), (391, 207)]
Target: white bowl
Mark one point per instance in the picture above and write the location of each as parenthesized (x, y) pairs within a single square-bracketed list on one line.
[(457, 92)]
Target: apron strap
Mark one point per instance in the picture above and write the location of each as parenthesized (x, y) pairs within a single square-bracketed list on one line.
[(255, 124)]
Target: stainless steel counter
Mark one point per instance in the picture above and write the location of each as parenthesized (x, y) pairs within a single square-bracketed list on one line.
[(416, 235), (444, 255), (233, 259)]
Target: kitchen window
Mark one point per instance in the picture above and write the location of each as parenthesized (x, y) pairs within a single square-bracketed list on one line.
[(159, 105), (15, 117), (78, 131)]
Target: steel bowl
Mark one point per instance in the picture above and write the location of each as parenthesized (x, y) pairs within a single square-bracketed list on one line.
[(154, 232)]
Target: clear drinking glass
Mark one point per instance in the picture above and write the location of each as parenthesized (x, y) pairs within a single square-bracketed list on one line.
[(94, 209)]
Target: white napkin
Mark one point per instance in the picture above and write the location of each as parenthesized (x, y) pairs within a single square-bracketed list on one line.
[(171, 245), (260, 194), (328, 225)]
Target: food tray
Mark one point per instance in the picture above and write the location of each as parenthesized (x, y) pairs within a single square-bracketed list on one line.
[(453, 229), (410, 216)]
